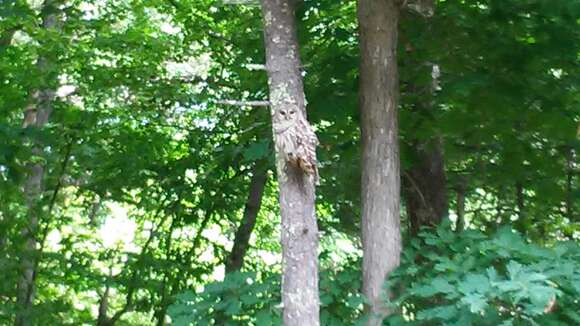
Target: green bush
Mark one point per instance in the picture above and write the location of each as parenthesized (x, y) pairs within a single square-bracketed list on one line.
[(243, 299), (445, 278), (238, 300), (469, 278)]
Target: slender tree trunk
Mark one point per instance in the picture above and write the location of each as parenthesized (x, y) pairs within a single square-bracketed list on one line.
[(425, 186), (460, 204), (378, 96), (36, 115), (235, 259), (299, 233), (570, 173), (425, 182), (521, 224), (102, 318), (169, 286)]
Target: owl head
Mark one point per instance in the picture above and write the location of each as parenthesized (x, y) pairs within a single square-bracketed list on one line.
[(287, 114)]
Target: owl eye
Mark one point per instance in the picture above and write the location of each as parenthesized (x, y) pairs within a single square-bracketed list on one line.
[(292, 111), (283, 112)]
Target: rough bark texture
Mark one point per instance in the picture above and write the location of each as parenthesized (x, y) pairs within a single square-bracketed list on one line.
[(299, 229), (36, 115), (425, 182), (378, 95), (425, 185), (235, 259), (460, 190)]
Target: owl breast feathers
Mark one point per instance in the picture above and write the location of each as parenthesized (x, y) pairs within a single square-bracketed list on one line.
[(296, 143)]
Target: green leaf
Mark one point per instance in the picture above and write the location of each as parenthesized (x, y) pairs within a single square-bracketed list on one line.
[(444, 312), (234, 307), (424, 291), (514, 269), (474, 283), (187, 296), (249, 299), (476, 302), (325, 299), (441, 285), (264, 318), (182, 321), (256, 151)]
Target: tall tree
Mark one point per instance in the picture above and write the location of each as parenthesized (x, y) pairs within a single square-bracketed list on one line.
[(424, 180), (425, 185), (295, 165), (235, 259), (36, 115), (378, 93)]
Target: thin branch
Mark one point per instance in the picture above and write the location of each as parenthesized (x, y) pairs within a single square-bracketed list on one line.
[(208, 216), (416, 188), (255, 66), (243, 103), (252, 3), (131, 287), (52, 203)]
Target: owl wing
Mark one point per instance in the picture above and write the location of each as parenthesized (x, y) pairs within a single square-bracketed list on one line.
[(306, 144)]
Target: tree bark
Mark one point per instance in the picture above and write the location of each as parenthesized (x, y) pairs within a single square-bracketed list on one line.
[(235, 259), (378, 96), (570, 173), (522, 223), (460, 190), (170, 282), (102, 318), (425, 185), (425, 182), (36, 115), (299, 233)]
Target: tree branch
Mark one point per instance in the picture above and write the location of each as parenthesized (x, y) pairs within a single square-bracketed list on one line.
[(243, 103), (131, 287)]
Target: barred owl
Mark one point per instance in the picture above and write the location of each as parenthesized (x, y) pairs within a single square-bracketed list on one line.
[(295, 140)]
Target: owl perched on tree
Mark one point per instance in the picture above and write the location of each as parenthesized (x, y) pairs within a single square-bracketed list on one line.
[(295, 140)]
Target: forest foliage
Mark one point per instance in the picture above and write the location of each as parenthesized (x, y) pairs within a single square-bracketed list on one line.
[(147, 170)]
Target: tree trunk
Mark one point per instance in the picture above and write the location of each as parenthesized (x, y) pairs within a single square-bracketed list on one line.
[(570, 173), (299, 233), (425, 182), (522, 223), (235, 259), (460, 190), (378, 96), (102, 318), (425, 185), (170, 283), (36, 115)]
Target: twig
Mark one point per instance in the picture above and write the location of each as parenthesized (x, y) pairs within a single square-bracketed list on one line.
[(255, 66), (243, 103)]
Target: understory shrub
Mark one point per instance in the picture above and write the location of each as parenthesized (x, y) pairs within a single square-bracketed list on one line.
[(469, 278)]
